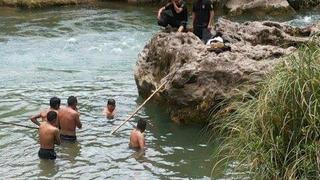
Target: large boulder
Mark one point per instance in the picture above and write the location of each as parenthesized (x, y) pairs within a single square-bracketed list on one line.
[(197, 79), (259, 7)]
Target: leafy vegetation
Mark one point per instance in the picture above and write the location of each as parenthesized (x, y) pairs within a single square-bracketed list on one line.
[(275, 134)]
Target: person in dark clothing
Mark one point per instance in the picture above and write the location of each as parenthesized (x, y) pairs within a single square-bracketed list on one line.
[(174, 14), (202, 16)]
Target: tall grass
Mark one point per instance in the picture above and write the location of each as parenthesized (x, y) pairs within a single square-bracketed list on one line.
[(276, 134)]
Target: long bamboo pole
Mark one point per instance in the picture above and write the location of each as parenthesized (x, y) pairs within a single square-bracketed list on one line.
[(137, 110), (30, 127)]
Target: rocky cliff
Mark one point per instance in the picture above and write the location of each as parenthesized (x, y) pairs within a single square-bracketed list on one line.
[(199, 79)]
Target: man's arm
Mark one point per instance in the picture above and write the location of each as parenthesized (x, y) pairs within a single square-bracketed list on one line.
[(176, 8), (34, 119), (160, 11), (210, 23), (78, 122), (193, 18), (141, 142), (57, 137)]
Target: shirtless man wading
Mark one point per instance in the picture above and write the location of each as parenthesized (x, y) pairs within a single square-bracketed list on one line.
[(49, 135), (137, 137), (54, 106), (69, 120)]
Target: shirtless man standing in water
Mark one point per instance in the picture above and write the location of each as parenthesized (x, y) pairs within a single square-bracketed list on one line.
[(49, 135), (69, 120), (54, 106), (137, 137)]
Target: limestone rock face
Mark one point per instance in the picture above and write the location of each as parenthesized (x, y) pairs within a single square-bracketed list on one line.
[(197, 80), (259, 7)]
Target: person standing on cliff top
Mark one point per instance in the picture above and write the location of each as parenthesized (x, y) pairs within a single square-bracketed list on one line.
[(202, 17), (174, 14)]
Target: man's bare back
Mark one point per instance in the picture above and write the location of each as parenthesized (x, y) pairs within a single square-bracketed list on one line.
[(48, 135), (136, 139), (68, 121)]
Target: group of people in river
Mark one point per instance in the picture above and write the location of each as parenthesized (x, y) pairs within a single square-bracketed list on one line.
[(59, 123), (175, 14)]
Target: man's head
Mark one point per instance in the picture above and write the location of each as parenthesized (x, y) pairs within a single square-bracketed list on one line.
[(52, 117), (72, 102), (111, 104), (141, 125), (55, 103)]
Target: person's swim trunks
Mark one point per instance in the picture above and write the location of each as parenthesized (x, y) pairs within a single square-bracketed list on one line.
[(47, 154), (68, 138)]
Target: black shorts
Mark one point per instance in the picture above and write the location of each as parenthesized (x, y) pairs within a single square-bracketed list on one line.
[(68, 138), (47, 154), (173, 22)]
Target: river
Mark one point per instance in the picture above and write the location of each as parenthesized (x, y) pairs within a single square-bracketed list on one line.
[(89, 52)]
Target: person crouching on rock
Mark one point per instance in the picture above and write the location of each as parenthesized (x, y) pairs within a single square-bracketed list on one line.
[(137, 138), (174, 14), (202, 17), (49, 135)]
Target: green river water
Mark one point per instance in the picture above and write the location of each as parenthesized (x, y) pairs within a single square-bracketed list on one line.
[(89, 52)]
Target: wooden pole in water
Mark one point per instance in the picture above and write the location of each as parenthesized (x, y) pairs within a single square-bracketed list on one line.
[(20, 125), (137, 110)]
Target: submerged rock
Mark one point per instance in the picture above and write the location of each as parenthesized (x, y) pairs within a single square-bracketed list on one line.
[(198, 79)]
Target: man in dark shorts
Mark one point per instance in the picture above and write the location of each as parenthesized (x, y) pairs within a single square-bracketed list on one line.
[(69, 120), (174, 14), (54, 106), (49, 135), (202, 16)]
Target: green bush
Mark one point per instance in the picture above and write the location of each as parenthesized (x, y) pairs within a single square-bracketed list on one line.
[(275, 135)]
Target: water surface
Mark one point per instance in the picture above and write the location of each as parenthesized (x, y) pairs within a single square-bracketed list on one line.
[(89, 52)]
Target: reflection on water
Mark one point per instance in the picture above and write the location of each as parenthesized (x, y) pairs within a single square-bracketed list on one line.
[(48, 168), (69, 151)]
